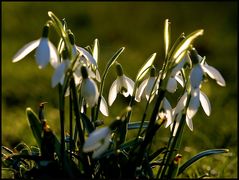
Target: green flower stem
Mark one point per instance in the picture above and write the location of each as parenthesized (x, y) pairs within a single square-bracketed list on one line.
[(152, 128), (70, 125), (76, 111), (62, 117), (175, 145)]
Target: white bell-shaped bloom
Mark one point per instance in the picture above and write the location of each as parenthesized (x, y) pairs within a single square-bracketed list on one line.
[(145, 89), (89, 91), (98, 141), (45, 51), (123, 85)]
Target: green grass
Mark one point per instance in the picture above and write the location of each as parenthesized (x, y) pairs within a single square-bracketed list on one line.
[(139, 27)]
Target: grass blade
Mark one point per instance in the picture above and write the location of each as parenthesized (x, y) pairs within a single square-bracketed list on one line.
[(199, 156)]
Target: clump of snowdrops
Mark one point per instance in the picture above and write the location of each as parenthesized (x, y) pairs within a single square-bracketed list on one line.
[(93, 148)]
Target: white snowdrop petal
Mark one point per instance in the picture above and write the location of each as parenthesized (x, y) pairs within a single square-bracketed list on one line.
[(112, 93), (43, 53), (87, 55), (196, 76), (130, 84), (97, 74), (25, 50), (89, 91), (149, 87), (57, 76), (205, 103), (189, 123), (179, 78), (181, 103), (54, 59), (214, 74), (171, 85), (140, 90), (94, 140), (168, 109), (99, 151), (104, 107), (194, 103)]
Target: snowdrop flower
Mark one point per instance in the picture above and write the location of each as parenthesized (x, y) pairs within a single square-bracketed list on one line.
[(98, 141), (45, 51), (122, 84), (89, 90), (146, 86)]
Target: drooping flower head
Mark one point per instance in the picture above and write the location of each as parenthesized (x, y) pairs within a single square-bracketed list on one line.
[(45, 51), (146, 87), (122, 84)]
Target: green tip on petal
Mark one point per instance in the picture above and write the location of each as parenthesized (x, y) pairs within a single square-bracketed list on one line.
[(45, 31), (84, 72), (119, 69)]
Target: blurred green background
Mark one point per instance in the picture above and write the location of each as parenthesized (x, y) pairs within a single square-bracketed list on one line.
[(138, 26)]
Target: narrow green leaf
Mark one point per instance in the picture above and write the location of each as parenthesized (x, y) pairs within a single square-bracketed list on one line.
[(145, 68), (35, 125), (136, 125), (156, 153), (184, 45), (113, 59), (166, 36), (95, 51), (199, 156)]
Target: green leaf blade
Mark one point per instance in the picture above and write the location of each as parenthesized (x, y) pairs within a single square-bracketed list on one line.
[(199, 156), (166, 36), (145, 68)]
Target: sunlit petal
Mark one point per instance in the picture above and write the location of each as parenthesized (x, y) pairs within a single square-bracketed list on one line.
[(194, 103), (214, 74), (87, 55), (89, 91), (149, 87), (168, 110), (130, 84), (171, 85), (57, 76), (99, 151), (189, 122), (181, 103), (179, 78), (54, 59), (94, 140), (205, 103), (140, 90), (25, 50), (104, 107), (112, 93), (43, 53)]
